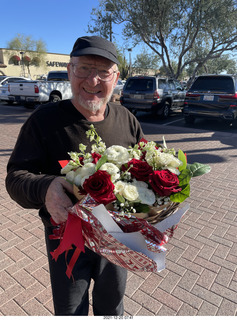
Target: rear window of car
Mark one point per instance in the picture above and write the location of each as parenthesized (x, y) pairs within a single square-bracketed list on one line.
[(218, 84), (58, 76), (140, 84)]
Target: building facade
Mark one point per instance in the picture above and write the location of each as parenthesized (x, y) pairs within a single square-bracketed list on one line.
[(14, 63)]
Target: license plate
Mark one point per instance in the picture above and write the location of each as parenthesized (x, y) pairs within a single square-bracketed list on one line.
[(19, 98), (137, 96), (208, 98)]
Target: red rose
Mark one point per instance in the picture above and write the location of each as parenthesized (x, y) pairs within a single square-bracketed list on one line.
[(164, 182), (100, 187), (96, 157), (139, 169)]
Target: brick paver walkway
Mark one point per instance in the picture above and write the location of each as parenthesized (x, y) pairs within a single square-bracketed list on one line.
[(200, 276)]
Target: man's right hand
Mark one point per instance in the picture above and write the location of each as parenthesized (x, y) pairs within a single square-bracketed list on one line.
[(56, 200)]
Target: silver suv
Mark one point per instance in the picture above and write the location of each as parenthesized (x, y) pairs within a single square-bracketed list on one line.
[(153, 94)]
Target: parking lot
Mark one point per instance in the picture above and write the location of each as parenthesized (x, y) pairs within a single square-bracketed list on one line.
[(201, 266)]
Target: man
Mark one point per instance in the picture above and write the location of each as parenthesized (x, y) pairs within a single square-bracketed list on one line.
[(34, 181)]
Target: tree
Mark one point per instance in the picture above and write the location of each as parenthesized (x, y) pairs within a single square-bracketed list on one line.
[(145, 61), (190, 32), (123, 65), (224, 64), (33, 52)]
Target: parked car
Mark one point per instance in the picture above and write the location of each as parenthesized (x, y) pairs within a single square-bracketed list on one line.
[(153, 94), (56, 87), (212, 96), (4, 81), (119, 87)]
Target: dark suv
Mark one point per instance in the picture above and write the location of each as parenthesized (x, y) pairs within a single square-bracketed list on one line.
[(155, 94), (212, 96)]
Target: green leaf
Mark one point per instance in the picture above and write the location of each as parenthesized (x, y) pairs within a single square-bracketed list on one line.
[(184, 177), (140, 207), (120, 198), (182, 195), (182, 157), (102, 160), (198, 169)]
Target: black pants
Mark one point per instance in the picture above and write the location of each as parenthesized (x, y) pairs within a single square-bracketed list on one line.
[(70, 296)]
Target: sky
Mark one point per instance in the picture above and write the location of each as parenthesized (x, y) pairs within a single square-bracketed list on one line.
[(57, 22)]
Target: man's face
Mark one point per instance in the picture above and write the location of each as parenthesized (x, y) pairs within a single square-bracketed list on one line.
[(91, 92)]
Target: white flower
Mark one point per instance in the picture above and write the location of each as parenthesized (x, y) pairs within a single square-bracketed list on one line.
[(67, 168), (163, 160), (119, 187), (117, 154), (77, 180), (112, 169), (146, 196), (130, 192), (86, 171), (70, 176)]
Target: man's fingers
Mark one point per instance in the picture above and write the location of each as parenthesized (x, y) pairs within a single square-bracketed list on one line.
[(57, 202)]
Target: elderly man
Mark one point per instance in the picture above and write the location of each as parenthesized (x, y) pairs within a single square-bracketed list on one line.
[(34, 181)]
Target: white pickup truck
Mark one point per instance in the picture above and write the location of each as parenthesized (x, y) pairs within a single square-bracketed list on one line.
[(56, 87)]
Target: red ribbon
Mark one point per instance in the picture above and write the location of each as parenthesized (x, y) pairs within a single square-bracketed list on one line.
[(72, 236), (63, 163)]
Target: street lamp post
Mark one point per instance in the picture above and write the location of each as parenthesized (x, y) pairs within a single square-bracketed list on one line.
[(130, 61), (22, 63)]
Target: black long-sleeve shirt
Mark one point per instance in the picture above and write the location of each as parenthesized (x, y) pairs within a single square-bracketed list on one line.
[(47, 136)]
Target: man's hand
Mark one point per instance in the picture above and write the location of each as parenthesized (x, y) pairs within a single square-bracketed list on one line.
[(57, 202)]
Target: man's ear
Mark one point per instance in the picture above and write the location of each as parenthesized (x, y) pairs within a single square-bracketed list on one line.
[(69, 71), (116, 79)]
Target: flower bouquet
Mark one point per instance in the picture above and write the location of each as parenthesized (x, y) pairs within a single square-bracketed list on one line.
[(147, 181), (127, 192)]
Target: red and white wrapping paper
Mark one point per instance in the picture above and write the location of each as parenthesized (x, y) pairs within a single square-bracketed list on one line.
[(139, 250)]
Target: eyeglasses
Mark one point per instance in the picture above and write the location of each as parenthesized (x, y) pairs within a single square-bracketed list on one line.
[(83, 72)]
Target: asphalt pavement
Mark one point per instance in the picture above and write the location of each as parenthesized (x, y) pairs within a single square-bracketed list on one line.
[(200, 278)]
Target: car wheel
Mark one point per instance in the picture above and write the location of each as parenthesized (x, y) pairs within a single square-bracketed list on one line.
[(54, 98), (166, 110), (189, 119)]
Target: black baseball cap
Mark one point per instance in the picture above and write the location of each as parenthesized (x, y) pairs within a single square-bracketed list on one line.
[(94, 45)]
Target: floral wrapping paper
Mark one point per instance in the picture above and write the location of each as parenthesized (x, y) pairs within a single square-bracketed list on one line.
[(133, 244)]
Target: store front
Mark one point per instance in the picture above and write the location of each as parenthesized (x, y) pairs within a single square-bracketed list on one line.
[(30, 65)]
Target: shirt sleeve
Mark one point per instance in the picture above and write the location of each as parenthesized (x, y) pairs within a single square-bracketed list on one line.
[(25, 182)]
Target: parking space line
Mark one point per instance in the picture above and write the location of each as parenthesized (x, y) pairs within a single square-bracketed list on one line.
[(166, 124)]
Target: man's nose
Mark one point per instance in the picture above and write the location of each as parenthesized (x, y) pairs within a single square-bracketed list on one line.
[(93, 76)]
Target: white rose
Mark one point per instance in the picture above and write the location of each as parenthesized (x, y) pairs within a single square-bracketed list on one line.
[(112, 170), (130, 192), (146, 196), (117, 154), (118, 187)]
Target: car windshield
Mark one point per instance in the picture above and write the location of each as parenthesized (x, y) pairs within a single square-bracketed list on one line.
[(2, 78), (217, 84), (140, 84)]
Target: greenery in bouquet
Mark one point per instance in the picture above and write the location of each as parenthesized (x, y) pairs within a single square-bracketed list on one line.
[(133, 179)]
